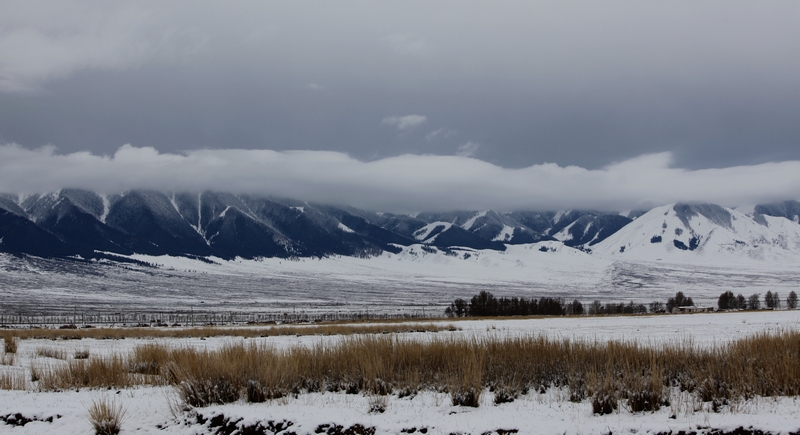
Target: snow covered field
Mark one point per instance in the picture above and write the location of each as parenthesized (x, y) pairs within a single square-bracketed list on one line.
[(410, 281), (549, 412)]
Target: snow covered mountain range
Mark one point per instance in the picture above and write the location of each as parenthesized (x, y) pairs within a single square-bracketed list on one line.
[(73, 222)]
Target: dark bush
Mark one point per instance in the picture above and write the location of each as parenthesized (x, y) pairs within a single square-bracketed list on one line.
[(505, 395), (466, 397), (603, 403)]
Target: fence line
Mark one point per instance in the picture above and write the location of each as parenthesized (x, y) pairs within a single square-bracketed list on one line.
[(199, 318)]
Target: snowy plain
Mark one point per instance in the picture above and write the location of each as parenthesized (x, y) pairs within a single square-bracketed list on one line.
[(547, 413), (415, 280)]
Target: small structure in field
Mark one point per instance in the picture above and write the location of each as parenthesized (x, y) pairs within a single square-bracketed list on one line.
[(692, 309)]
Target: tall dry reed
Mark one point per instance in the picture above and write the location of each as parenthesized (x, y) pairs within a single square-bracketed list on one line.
[(611, 374), (106, 416), (10, 343), (12, 380)]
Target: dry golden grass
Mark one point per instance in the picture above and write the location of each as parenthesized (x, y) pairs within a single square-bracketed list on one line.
[(7, 359), (106, 416), (611, 374), (12, 380), (51, 352), (10, 343), (212, 331), (92, 373)]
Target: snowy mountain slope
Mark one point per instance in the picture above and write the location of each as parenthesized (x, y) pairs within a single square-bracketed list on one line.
[(151, 216), (577, 228), (494, 226), (590, 229), (704, 232), (312, 230), (591, 223), (9, 203), (446, 234), (787, 209), (227, 226), (74, 217), (428, 233), (234, 233)]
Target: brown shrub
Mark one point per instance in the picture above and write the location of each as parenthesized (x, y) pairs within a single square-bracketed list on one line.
[(106, 416), (10, 342), (607, 373)]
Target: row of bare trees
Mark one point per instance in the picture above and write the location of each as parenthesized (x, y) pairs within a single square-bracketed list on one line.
[(727, 301)]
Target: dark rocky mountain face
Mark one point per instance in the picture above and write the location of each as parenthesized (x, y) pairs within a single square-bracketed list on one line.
[(9, 203), (715, 213), (590, 229), (786, 209), (150, 216), (20, 235), (575, 228)]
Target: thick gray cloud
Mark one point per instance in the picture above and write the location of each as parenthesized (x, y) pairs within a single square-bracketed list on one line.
[(404, 183), (715, 84)]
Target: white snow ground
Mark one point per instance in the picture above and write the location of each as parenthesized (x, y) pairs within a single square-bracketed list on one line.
[(535, 413), (413, 280)]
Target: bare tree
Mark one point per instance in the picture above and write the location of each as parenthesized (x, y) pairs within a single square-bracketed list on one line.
[(791, 301), (754, 302)]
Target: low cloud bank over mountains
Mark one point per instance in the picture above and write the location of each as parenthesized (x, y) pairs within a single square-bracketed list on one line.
[(402, 184)]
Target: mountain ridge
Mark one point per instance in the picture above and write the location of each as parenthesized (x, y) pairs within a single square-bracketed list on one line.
[(225, 225)]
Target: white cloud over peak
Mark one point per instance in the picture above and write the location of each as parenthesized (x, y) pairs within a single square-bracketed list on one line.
[(400, 184), (442, 132), (404, 122), (468, 149)]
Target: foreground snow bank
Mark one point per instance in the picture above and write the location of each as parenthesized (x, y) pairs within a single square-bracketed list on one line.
[(429, 413)]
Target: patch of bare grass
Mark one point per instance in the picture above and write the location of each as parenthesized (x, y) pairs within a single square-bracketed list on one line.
[(10, 343), (213, 331), (106, 416), (611, 375), (51, 352), (81, 354), (88, 373), (12, 380)]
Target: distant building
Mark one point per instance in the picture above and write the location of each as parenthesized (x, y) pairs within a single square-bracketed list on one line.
[(692, 309)]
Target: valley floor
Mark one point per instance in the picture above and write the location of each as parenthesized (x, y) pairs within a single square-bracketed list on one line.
[(414, 281), (548, 412)]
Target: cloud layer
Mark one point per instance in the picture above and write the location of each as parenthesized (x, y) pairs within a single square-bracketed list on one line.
[(404, 122), (716, 83), (398, 184)]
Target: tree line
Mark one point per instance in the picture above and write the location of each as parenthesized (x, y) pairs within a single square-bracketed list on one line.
[(727, 301), (485, 304)]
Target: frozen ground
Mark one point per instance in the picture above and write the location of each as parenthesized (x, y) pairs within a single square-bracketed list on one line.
[(411, 281), (548, 413)]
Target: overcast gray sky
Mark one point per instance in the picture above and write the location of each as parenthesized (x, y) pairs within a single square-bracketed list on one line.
[(514, 84)]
